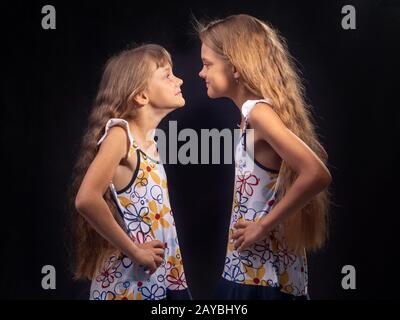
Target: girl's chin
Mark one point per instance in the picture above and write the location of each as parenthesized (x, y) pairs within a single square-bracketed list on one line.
[(179, 103), (214, 94), (211, 94)]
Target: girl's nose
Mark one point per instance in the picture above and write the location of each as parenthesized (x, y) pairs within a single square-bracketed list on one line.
[(180, 81)]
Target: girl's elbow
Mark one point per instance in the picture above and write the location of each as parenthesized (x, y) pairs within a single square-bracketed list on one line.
[(317, 178), (82, 202), (322, 178)]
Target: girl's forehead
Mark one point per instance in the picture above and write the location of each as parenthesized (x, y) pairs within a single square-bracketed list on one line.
[(160, 66), (206, 50), (209, 54), (158, 60), (158, 71), (164, 67)]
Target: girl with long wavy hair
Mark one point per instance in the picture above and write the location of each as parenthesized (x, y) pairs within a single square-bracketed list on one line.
[(125, 236), (280, 201)]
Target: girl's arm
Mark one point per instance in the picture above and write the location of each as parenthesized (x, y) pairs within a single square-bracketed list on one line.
[(90, 202), (313, 176)]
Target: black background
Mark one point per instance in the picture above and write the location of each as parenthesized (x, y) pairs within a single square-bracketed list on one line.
[(50, 77)]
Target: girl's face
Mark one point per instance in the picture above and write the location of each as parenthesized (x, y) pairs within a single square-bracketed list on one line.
[(217, 73), (164, 89)]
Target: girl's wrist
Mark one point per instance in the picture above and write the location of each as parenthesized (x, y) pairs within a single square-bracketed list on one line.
[(265, 225), (133, 252)]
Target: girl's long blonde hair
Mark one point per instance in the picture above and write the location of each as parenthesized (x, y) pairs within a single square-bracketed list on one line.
[(266, 69), (125, 75)]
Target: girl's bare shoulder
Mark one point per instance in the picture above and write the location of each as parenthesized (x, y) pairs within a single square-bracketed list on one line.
[(263, 116), (116, 142)]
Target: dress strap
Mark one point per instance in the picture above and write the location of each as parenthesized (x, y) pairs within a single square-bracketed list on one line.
[(250, 104), (246, 109)]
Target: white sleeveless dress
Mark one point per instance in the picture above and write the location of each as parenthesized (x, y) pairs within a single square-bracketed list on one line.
[(268, 263), (146, 211)]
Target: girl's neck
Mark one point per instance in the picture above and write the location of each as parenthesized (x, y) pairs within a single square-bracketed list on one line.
[(144, 124), (242, 95)]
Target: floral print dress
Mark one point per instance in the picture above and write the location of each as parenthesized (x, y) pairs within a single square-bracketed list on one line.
[(267, 263), (145, 209)]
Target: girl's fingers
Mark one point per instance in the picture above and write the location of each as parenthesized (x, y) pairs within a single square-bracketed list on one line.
[(159, 252), (237, 234), (241, 224), (238, 242), (243, 246), (152, 267), (157, 244), (158, 260)]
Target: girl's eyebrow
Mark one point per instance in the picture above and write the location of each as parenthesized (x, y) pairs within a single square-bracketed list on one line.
[(166, 68)]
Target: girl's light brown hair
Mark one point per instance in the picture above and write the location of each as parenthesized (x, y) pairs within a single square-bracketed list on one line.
[(266, 69), (125, 75)]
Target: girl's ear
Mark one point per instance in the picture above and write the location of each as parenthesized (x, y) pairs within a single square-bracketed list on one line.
[(141, 99), (235, 73)]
